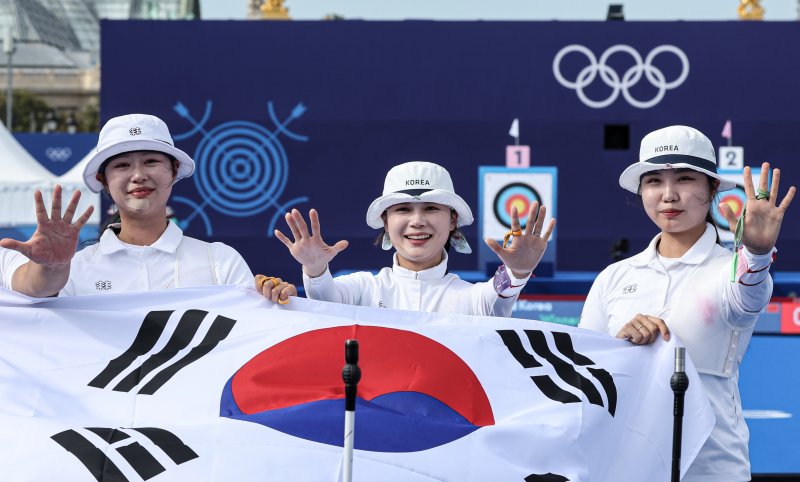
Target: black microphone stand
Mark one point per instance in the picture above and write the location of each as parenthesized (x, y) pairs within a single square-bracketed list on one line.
[(679, 383)]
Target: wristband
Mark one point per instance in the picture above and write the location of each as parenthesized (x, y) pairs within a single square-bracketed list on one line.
[(501, 280)]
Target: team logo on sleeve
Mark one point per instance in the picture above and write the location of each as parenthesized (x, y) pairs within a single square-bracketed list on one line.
[(414, 393), (573, 381), (109, 453), (145, 368)]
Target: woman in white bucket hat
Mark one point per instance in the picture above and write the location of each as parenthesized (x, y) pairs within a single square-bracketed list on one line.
[(687, 284), (419, 214), (136, 163)]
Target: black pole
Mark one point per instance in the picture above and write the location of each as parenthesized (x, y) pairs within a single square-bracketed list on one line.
[(679, 383), (351, 374)]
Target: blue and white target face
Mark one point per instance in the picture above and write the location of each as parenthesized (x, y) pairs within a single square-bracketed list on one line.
[(735, 198), (519, 195), (242, 168)]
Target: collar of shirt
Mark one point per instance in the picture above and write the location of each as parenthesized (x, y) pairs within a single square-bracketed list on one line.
[(698, 253), (436, 272), (168, 242)]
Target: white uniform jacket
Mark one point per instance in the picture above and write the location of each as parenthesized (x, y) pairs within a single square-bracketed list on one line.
[(173, 261), (713, 317), (10, 260), (430, 290)]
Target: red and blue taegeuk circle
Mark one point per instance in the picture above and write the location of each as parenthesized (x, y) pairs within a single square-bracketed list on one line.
[(414, 393)]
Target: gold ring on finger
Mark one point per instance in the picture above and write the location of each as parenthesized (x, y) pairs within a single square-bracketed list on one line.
[(274, 280)]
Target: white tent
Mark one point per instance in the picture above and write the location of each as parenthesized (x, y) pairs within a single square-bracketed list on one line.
[(72, 180), (20, 176)]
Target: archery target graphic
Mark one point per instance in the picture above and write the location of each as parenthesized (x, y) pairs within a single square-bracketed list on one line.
[(515, 195), (241, 167), (503, 189), (241, 170), (736, 199)]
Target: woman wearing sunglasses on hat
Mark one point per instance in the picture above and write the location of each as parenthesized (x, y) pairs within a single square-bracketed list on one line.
[(419, 215), (686, 283), (137, 164)]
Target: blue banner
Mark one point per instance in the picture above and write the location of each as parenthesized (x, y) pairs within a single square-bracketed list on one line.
[(282, 115), (57, 152)]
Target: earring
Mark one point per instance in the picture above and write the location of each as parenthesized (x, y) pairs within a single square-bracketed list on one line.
[(386, 243)]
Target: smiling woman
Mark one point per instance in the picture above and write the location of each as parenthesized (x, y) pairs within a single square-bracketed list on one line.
[(419, 215), (137, 164), (682, 282)]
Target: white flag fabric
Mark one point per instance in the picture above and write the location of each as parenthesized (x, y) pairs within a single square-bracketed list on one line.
[(219, 384), (514, 131)]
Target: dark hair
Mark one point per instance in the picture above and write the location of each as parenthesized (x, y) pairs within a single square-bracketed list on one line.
[(112, 219)]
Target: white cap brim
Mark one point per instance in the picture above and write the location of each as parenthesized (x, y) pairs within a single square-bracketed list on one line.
[(631, 177), (185, 167), (437, 196)]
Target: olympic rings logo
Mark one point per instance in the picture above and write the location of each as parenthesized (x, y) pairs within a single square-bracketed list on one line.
[(58, 154), (630, 78)]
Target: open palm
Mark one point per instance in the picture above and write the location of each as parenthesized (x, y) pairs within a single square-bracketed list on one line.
[(526, 249), (763, 216), (308, 247), (56, 236)]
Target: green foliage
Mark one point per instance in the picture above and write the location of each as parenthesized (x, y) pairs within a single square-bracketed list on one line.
[(89, 118), (25, 107), (30, 113)]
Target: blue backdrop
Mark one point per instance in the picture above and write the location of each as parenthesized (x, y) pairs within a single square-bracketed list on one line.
[(313, 114), (57, 152)]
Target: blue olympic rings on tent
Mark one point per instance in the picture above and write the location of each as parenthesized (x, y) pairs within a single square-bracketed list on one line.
[(516, 194)]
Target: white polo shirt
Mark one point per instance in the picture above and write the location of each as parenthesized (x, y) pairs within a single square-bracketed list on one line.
[(173, 261), (430, 290), (713, 317), (10, 260)]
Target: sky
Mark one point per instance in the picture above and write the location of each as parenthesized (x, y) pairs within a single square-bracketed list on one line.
[(505, 9)]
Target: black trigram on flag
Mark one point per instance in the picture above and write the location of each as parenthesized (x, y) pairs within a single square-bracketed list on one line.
[(149, 334), (566, 371), (548, 477), (107, 453)]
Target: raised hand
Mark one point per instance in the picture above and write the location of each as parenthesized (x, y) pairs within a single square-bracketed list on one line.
[(526, 250), (56, 237), (309, 249), (763, 216)]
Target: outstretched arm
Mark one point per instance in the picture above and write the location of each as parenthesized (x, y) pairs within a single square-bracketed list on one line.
[(757, 232), (308, 248), (50, 248)]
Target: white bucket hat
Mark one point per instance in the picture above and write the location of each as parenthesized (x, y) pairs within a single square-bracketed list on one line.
[(674, 147), (134, 132), (422, 182)]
